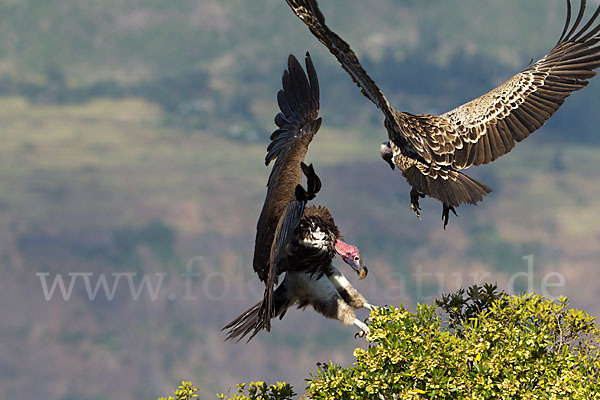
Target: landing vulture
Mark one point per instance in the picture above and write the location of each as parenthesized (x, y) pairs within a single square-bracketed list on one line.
[(431, 150), (292, 238)]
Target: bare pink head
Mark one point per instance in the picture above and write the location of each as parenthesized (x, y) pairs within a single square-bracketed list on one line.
[(351, 256)]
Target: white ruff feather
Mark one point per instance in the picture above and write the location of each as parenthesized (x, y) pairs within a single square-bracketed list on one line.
[(317, 239)]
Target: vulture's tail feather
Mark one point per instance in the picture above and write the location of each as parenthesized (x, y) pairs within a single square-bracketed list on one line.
[(454, 191), (253, 320), (247, 322)]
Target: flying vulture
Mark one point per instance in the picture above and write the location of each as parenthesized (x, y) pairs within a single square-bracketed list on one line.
[(431, 150), (291, 237)]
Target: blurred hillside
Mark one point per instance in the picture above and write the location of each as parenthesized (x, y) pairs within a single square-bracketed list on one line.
[(211, 63), (134, 134)]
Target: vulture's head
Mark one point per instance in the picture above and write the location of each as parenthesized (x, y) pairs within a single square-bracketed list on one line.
[(385, 151), (351, 256)]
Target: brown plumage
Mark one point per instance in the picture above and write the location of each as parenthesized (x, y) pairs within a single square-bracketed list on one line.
[(290, 237), (430, 150)]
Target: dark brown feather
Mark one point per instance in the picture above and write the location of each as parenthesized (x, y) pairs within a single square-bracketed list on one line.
[(308, 11), (297, 127)]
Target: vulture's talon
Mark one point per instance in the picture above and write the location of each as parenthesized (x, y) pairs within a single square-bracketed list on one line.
[(415, 208), (360, 334), (446, 214), (364, 329), (414, 202)]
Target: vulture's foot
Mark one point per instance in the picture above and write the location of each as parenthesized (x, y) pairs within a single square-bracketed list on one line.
[(368, 306), (446, 213), (414, 202), (364, 329)]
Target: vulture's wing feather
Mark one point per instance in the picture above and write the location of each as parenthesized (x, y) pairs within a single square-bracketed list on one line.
[(286, 238), (286, 234), (298, 122), (486, 128), (308, 11)]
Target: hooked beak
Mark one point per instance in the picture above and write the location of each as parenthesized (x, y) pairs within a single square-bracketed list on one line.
[(390, 163), (385, 151), (358, 266)]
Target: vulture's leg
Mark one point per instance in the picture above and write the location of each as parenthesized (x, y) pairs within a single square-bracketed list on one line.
[(364, 329), (347, 291), (321, 293), (414, 201)]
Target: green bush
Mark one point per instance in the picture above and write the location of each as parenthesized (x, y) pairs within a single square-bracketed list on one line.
[(185, 391), (478, 344), (260, 391), (253, 391), (520, 347)]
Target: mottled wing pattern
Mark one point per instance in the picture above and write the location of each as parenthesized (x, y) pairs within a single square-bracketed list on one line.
[(297, 123), (488, 126), (308, 11), (433, 138)]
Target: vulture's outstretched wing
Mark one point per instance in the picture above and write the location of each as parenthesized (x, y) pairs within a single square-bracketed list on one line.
[(298, 122), (487, 127), (308, 11)]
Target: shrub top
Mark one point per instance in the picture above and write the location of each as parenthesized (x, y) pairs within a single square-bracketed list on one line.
[(517, 347)]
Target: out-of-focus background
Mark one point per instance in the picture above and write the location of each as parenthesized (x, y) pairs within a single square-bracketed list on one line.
[(133, 135)]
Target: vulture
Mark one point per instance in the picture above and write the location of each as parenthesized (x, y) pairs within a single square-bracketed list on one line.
[(431, 150), (291, 237)]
